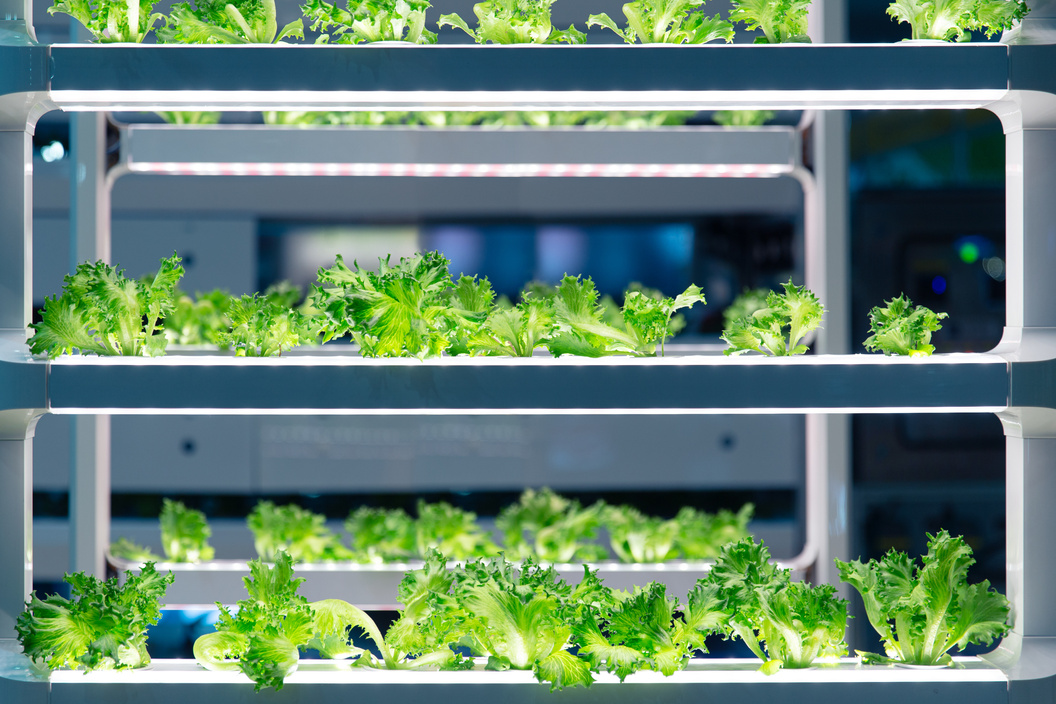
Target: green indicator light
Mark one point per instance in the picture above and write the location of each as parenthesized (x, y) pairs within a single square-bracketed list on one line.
[(969, 252)]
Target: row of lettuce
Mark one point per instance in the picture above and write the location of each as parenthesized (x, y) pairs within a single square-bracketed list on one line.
[(414, 308), (492, 613), (507, 21), (484, 119), (542, 525)]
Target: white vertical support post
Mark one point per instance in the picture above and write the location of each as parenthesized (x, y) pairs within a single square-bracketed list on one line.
[(1028, 117), (16, 224), (1030, 335), (16, 524), (90, 441), (827, 265), (16, 468), (17, 121)]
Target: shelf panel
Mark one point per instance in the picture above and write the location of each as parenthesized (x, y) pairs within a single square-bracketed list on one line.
[(400, 151), (726, 680), (122, 77), (339, 384)]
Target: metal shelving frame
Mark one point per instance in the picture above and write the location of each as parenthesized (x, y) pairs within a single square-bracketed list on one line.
[(1017, 380), (263, 150)]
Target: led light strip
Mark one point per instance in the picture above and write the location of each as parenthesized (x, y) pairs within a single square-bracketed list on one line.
[(791, 410), (118, 100), (463, 170)]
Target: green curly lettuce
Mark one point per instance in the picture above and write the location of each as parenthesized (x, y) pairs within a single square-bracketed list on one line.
[(786, 624), (648, 630), (797, 310), (702, 535), (112, 21), (900, 328), (781, 21), (742, 118), (403, 310), (296, 531), (636, 537), (102, 312), (551, 528), (954, 20), (382, 535), (923, 610), (261, 326), (452, 531), (369, 21), (103, 625), (222, 22), (666, 22), (513, 22), (184, 533)]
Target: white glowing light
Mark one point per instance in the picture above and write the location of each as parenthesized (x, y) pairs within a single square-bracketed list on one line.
[(346, 359), (702, 671), (462, 170), (54, 151), (522, 100)]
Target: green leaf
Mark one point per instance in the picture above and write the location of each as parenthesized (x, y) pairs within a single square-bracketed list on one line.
[(513, 22), (112, 20), (333, 619), (125, 549), (452, 531), (294, 530), (780, 20), (220, 650), (453, 20), (101, 311), (603, 20), (900, 328), (269, 659), (184, 533), (381, 534), (563, 669), (932, 606), (402, 310), (102, 625), (635, 537), (701, 535), (222, 22), (549, 527), (797, 310)]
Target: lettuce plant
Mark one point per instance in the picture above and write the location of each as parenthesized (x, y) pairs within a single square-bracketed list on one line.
[(102, 626), (380, 534), (296, 531), (402, 310), (900, 328), (742, 118), (369, 21), (102, 312), (551, 528), (924, 610), (780, 21), (954, 20), (221, 22), (514, 22), (647, 630), (112, 21), (785, 623), (797, 311), (184, 533), (666, 22)]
